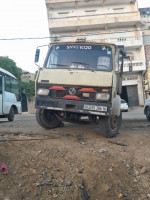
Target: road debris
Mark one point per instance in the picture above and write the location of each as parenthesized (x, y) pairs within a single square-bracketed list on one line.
[(118, 143), (3, 168), (2, 139), (143, 170), (84, 194), (120, 196), (68, 182), (102, 150)]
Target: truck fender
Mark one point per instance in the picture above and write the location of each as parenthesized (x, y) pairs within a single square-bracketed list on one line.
[(116, 105)]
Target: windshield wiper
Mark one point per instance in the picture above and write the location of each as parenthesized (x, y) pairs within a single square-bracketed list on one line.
[(80, 63), (60, 65)]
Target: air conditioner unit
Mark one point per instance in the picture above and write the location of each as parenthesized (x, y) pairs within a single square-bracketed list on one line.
[(146, 87), (145, 82)]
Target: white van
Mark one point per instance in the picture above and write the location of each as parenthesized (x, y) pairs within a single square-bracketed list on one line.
[(10, 96)]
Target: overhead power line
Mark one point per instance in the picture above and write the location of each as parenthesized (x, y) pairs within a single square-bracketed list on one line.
[(64, 36)]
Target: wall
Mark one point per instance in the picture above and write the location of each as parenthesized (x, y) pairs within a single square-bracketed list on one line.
[(31, 106)]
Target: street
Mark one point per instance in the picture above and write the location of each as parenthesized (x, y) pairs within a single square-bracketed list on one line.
[(75, 161)]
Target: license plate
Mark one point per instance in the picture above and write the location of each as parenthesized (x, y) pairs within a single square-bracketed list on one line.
[(96, 108)]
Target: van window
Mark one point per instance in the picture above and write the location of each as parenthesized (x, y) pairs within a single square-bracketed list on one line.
[(15, 88), (11, 85), (0, 84), (7, 84)]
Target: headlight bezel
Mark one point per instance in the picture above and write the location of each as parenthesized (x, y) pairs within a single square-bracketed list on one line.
[(43, 92), (104, 97)]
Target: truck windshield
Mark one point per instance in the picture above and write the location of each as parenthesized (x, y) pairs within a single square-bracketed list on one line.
[(80, 56)]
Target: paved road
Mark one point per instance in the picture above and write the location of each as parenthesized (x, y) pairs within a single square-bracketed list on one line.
[(134, 113), (27, 122)]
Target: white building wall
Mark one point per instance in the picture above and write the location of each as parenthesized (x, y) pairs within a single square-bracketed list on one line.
[(102, 21)]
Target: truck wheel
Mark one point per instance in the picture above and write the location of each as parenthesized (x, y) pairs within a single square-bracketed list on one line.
[(147, 113), (47, 119), (110, 126), (11, 115), (39, 118)]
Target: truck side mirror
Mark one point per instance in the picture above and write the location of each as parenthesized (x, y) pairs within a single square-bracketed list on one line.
[(37, 55), (123, 52)]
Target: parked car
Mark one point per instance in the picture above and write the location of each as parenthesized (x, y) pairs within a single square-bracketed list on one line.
[(124, 105), (147, 108)]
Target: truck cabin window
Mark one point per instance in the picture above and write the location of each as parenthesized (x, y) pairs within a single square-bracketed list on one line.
[(80, 56)]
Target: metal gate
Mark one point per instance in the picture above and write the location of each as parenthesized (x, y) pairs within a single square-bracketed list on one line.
[(133, 99)]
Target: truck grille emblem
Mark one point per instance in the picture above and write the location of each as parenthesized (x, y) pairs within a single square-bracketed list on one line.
[(72, 91)]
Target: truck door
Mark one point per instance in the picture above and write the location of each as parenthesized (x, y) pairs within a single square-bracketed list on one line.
[(1, 99)]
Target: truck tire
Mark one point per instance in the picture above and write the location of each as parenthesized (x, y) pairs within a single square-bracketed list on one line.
[(147, 113), (11, 114), (47, 119), (110, 126), (39, 117)]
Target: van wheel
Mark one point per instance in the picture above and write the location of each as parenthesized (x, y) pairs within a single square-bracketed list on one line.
[(47, 119), (110, 126), (147, 112), (11, 114)]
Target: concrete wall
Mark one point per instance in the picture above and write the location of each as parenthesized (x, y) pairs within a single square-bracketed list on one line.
[(31, 106), (102, 21), (26, 77)]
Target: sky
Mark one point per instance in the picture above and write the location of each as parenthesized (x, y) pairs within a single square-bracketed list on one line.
[(26, 19)]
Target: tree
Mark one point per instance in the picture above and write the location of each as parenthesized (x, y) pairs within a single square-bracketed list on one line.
[(9, 65), (29, 88)]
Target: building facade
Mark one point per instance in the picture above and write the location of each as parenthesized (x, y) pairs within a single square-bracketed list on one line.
[(145, 20), (104, 21), (27, 76)]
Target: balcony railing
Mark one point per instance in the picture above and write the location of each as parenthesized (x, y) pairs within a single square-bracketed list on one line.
[(132, 41), (96, 21), (137, 66), (102, 2)]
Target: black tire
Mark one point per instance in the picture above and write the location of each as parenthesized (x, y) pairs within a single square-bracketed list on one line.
[(47, 119), (110, 126), (11, 114), (147, 113), (39, 117)]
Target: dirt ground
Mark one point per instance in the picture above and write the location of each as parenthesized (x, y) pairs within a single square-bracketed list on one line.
[(75, 162)]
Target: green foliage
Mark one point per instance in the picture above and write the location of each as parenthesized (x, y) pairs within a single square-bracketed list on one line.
[(29, 88), (9, 65)]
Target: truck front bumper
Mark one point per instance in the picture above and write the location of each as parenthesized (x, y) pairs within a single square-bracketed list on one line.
[(82, 107)]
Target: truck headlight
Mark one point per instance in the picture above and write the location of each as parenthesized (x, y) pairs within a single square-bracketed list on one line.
[(102, 96), (43, 92)]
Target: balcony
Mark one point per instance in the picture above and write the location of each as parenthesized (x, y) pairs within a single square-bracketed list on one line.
[(88, 3), (95, 22), (137, 66), (132, 42)]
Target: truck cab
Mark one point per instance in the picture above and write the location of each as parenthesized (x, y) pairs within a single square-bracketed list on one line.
[(80, 79)]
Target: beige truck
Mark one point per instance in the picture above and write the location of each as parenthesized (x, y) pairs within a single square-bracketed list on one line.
[(80, 79)]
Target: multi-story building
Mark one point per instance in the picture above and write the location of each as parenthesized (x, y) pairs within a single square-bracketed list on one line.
[(27, 76), (105, 21), (145, 20)]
